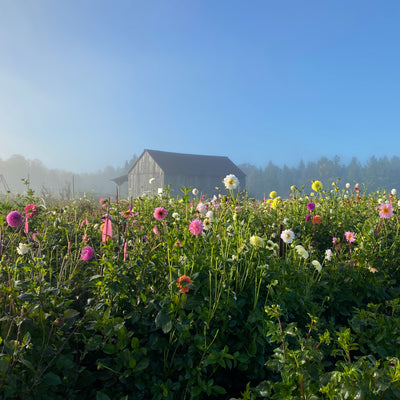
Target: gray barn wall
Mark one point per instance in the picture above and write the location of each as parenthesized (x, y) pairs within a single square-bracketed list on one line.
[(141, 173)]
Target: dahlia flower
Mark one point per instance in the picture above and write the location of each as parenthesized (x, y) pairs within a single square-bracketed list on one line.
[(87, 253), (350, 236), (301, 251), (316, 220), (287, 236), (328, 255), (317, 265), (14, 219), (201, 208), (317, 186), (160, 213), (196, 227), (30, 210), (256, 241), (182, 283), (22, 249), (310, 206), (386, 210), (231, 182)]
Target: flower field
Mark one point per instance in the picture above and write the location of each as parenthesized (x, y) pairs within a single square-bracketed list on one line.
[(161, 297)]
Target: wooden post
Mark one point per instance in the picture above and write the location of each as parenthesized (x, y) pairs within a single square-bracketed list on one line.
[(281, 243)]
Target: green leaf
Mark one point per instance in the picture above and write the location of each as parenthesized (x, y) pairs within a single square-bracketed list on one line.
[(101, 396), (219, 389), (27, 364), (51, 379), (27, 338), (163, 321), (109, 348), (142, 364), (134, 343), (96, 277), (196, 390), (194, 302), (26, 296), (65, 362), (119, 326), (132, 363), (70, 313), (252, 348), (4, 362), (264, 389)]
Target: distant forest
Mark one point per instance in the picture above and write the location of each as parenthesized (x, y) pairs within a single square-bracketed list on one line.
[(376, 173)]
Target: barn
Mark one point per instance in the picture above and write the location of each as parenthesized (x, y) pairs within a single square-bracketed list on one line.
[(155, 170)]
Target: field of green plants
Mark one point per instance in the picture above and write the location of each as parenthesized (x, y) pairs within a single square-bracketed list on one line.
[(160, 297)]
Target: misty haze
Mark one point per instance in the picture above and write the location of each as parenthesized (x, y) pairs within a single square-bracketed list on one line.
[(376, 173)]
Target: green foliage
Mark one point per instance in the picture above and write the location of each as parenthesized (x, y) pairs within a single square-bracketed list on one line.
[(161, 313)]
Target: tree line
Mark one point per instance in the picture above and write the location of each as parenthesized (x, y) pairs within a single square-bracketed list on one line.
[(375, 174)]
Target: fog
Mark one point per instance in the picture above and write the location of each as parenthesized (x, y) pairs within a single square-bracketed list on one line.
[(18, 174)]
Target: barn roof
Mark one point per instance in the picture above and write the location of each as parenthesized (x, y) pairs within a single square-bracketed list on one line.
[(194, 164), (119, 180)]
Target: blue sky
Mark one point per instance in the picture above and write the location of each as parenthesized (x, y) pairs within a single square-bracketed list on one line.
[(88, 83)]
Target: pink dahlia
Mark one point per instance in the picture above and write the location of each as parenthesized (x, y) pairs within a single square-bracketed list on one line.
[(350, 236), (14, 219), (196, 227), (160, 213), (87, 253), (386, 210), (30, 210)]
